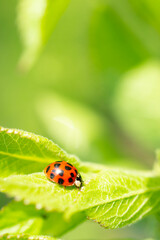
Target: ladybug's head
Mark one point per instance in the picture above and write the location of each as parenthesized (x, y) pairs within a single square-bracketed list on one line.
[(78, 181)]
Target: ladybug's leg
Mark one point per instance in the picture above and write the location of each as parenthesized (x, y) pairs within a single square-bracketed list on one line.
[(64, 187)]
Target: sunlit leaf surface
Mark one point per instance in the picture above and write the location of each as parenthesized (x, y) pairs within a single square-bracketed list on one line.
[(114, 198), (25, 237)]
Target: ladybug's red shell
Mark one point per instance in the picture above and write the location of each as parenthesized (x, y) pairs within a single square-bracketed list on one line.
[(62, 173)]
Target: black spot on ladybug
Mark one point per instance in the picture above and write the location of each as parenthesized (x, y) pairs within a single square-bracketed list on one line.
[(47, 169), (72, 175), (60, 181), (76, 171), (67, 168), (54, 170), (70, 179), (52, 175), (61, 173), (70, 164), (56, 165)]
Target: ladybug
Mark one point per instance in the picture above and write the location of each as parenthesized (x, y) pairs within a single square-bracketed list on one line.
[(63, 173)]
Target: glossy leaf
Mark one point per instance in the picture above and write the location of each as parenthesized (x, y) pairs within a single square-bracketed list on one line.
[(23, 153), (114, 198)]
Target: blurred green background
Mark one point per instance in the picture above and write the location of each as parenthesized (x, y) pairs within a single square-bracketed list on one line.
[(94, 89)]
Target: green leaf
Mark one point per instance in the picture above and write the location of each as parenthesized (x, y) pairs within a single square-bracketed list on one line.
[(83, 130), (36, 21), (25, 237), (142, 94), (133, 16), (120, 24), (112, 197), (23, 153), (17, 218), (107, 27)]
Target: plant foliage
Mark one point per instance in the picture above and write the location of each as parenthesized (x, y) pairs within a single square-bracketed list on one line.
[(112, 197), (36, 20), (25, 237)]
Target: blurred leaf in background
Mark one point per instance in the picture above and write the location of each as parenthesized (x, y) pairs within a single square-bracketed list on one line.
[(113, 45), (77, 127), (123, 36), (137, 104), (36, 20)]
